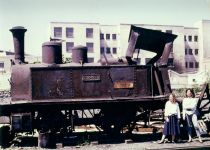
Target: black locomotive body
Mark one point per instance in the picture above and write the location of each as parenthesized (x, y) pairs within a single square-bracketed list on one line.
[(53, 96), (87, 83)]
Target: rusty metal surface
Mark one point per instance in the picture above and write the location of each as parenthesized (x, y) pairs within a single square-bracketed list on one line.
[(18, 39), (79, 54), (52, 52), (20, 83), (79, 82), (91, 82), (150, 40), (52, 104), (143, 82), (167, 49), (52, 83), (166, 86), (123, 74), (131, 46)]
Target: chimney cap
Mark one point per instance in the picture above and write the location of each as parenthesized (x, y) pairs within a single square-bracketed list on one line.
[(50, 43), (18, 28), (79, 47)]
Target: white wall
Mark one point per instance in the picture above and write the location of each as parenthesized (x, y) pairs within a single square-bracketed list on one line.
[(4, 81), (204, 46), (187, 80)]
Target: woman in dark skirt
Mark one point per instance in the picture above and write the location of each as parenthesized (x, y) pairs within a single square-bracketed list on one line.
[(172, 116)]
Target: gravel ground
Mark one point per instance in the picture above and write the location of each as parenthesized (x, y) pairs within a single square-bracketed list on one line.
[(138, 141), (150, 145)]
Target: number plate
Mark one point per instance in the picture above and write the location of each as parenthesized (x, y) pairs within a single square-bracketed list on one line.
[(91, 77), (123, 85)]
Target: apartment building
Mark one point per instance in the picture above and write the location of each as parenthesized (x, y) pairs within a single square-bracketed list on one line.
[(191, 49), (73, 34)]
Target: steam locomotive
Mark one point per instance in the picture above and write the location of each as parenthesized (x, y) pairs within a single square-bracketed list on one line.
[(55, 97)]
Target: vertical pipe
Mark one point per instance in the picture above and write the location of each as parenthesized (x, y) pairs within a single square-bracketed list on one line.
[(152, 80), (18, 38)]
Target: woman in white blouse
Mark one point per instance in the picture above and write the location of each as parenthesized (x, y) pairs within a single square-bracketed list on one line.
[(172, 116), (189, 105)]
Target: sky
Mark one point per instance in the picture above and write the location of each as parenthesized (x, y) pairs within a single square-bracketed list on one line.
[(36, 15)]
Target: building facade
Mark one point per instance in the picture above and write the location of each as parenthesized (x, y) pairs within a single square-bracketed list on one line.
[(7, 58), (191, 48)]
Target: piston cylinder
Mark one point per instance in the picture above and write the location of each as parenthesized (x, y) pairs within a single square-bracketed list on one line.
[(52, 52), (79, 54), (18, 38)]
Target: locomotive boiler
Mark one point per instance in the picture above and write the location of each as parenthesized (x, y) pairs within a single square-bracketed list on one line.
[(55, 97)]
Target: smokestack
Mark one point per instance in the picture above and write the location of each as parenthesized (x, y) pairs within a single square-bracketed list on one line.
[(52, 52), (18, 38)]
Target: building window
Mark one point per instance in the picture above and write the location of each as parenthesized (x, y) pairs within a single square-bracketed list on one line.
[(190, 52), (101, 36), (1, 65), (186, 65), (114, 36), (114, 50), (90, 60), (58, 32), (191, 64), (69, 32), (108, 50), (102, 50), (169, 31), (69, 46), (196, 38), (90, 47), (185, 39), (196, 64), (89, 32), (190, 38), (107, 36), (196, 51), (185, 51)]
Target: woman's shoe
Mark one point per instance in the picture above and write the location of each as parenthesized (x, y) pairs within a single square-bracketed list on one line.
[(160, 142), (190, 140), (200, 140)]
